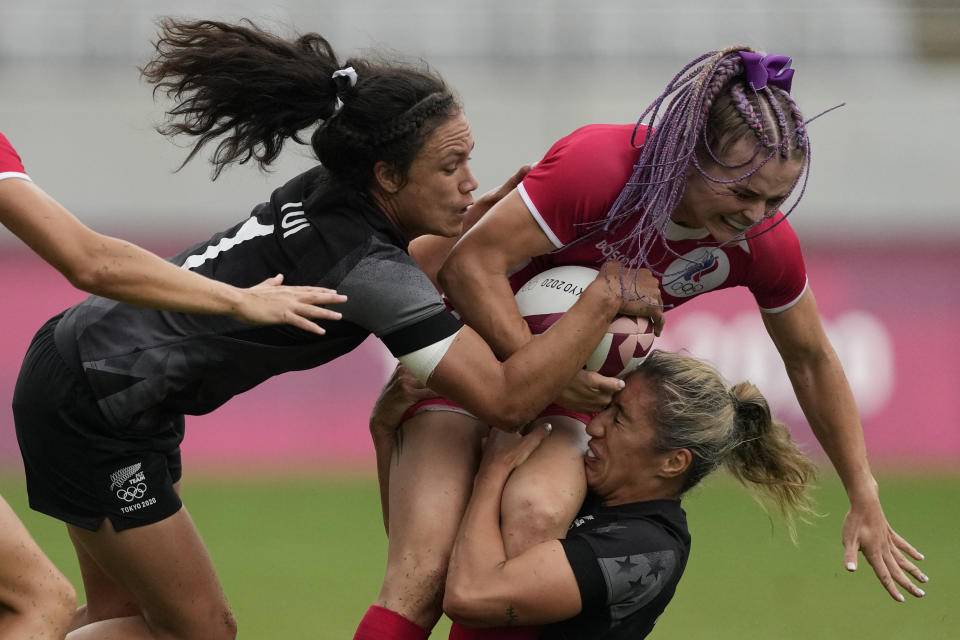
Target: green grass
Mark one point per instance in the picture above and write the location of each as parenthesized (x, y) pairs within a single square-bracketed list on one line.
[(302, 557)]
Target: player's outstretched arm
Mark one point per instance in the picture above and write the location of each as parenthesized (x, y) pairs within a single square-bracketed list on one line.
[(123, 271), (827, 401)]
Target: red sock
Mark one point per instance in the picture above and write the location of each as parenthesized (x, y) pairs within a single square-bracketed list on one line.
[(380, 623), (458, 632)]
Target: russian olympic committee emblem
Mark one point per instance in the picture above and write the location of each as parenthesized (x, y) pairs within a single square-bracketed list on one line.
[(696, 271)]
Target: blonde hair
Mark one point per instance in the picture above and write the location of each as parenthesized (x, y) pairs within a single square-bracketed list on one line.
[(732, 426)]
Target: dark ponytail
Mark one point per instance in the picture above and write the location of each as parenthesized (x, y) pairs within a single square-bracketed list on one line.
[(253, 90)]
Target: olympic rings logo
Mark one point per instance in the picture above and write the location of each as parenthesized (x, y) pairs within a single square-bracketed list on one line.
[(686, 288), (132, 493)]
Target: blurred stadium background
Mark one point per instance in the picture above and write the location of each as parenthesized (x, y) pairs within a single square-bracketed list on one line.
[(289, 464)]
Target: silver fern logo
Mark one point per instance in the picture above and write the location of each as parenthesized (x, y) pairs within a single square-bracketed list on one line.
[(120, 476)]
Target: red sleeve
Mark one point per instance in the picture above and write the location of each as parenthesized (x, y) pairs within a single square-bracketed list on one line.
[(578, 180), (10, 164), (779, 276)]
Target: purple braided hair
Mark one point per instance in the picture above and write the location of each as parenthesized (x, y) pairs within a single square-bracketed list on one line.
[(672, 143)]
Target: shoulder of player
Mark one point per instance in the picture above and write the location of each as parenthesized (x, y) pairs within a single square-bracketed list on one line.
[(589, 166), (654, 519), (10, 163), (608, 137), (337, 213)]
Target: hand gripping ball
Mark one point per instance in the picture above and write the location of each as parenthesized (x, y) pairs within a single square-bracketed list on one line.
[(544, 298)]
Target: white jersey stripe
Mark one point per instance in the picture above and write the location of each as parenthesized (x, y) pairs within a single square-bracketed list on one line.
[(536, 216), (790, 304), (14, 174), (248, 231)]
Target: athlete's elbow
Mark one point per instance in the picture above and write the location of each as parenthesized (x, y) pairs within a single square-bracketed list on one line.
[(460, 269), (87, 276), (448, 275), (462, 603)]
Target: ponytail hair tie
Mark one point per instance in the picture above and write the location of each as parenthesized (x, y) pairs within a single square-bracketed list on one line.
[(343, 79), (735, 400)]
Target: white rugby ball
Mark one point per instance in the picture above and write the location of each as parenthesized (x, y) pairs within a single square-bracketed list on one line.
[(544, 298)]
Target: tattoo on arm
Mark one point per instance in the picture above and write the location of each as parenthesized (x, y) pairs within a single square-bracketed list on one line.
[(512, 618)]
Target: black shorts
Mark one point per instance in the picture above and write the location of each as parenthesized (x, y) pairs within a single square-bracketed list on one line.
[(80, 469)]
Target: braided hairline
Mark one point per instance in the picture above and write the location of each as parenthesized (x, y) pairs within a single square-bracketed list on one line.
[(802, 142), (742, 102), (413, 118), (404, 124)]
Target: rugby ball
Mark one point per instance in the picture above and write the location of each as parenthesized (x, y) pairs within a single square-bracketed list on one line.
[(544, 298)]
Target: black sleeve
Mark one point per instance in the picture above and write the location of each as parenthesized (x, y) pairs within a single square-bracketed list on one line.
[(583, 561), (391, 297), (421, 334), (629, 563)]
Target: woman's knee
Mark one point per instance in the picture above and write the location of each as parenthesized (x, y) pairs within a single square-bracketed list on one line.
[(211, 621), (531, 517), (542, 498)]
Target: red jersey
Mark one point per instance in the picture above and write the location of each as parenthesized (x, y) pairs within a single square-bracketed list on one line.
[(571, 190), (10, 165)]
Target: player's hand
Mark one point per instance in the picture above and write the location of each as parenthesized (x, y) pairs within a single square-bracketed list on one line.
[(494, 196), (272, 303), (865, 528), (589, 392), (402, 391), (485, 202), (638, 290), (503, 452)]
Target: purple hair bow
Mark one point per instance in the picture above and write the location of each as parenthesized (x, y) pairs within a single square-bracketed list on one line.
[(763, 70)]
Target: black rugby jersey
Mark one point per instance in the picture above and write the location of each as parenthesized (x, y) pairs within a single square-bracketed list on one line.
[(313, 231), (627, 560)]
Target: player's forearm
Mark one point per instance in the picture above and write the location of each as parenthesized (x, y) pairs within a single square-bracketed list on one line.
[(125, 272), (478, 551), (829, 406), (104, 265), (481, 294)]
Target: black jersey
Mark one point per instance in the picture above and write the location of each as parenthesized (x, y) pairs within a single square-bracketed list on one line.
[(627, 560), (312, 230)]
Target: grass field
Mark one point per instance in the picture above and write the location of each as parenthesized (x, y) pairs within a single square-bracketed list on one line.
[(302, 557)]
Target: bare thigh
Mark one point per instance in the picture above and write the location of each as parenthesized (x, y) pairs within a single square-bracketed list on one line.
[(140, 577), (105, 598), (544, 494), (431, 478)]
